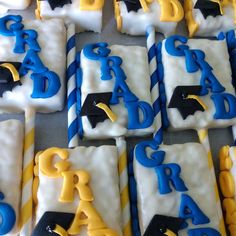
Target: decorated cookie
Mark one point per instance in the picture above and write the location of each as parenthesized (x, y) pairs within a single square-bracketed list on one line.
[(227, 179), (77, 192), (134, 16), (176, 190), (114, 97), (13, 5), (197, 83), (32, 64), (11, 144), (208, 17), (86, 14)]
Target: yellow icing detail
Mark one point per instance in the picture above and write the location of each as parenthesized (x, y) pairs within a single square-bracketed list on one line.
[(102, 232), (124, 197), (234, 6), (107, 110), (144, 5), (12, 69), (127, 231), (232, 230), (171, 10), (86, 214), (117, 15), (202, 133), (227, 184), (91, 5), (225, 160), (122, 162), (234, 150), (38, 10), (210, 161), (229, 205), (60, 231), (169, 233), (216, 192), (75, 180), (222, 227), (46, 159), (199, 100), (191, 23), (27, 173), (26, 212)]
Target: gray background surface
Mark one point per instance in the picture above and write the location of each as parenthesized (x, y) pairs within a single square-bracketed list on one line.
[(51, 129)]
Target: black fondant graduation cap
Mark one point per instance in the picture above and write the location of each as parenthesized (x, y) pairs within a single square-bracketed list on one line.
[(132, 5), (209, 8), (164, 226), (7, 82), (58, 3), (48, 223), (185, 100), (94, 113)]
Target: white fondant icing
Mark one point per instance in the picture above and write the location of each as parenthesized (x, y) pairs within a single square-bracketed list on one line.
[(84, 20), (175, 74), (136, 68), (212, 26), (52, 40), (192, 158), (136, 23), (6, 5), (102, 165), (11, 145)]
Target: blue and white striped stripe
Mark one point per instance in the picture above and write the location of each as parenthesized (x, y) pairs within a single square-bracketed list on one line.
[(73, 139), (151, 46)]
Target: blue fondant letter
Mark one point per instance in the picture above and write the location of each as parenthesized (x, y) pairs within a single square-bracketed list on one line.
[(209, 81), (190, 210), (96, 51), (169, 173), (46, 84), (32, 62), (203, 232), (172, 49), (9, 31), (155, 159), (220, 101), (26, 37), (134, 109)]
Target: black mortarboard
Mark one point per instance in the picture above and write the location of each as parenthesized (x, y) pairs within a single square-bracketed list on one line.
[(94, 113), (7, 82), (58, 3), (186, 106), (49, 220), (132, 5), (160, 224), (209, 8)]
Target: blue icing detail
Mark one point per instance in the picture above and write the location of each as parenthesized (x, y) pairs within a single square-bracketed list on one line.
[(134, 121), (169, 173), (133, 197), (121, 89), (101, 51), (221, 111), (164, 116), (195, 60), (109, 64), (209, 81), (155, 159), (4, 30), (172, 49), (7, 216), (46, 84), (79, 80), (190, 210), (203, 232), (32, 62), (26, 37)]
